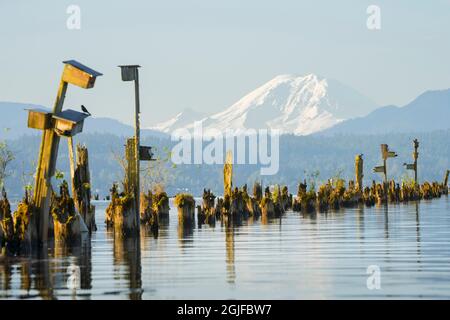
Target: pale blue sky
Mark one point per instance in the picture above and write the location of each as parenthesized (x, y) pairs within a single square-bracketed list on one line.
[(206, 54)]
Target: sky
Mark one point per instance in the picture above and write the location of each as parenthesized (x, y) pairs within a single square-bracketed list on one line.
[(206, 54)]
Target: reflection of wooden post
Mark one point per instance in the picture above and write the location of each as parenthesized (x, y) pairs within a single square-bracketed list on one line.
[(359, 172), (228, 174), (446, 178)]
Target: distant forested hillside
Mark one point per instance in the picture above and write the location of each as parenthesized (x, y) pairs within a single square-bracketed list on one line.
[(300, 158)]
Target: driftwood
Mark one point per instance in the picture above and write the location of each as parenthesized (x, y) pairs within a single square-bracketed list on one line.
[(69, 226), (82, 189)]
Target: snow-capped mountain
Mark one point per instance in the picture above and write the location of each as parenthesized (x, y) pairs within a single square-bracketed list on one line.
[(181, 120), (292, 104)]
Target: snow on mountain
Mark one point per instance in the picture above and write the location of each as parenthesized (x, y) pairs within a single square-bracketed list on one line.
[(292, 104)]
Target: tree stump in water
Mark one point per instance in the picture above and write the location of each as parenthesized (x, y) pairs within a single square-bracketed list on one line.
[(69, 226), (186, 208), (18, 231), (267, 205), (238, 207), (82, 189), (149, 217), (208, 211), (161, 204), (286, 199), (120, 213), (6, 223)]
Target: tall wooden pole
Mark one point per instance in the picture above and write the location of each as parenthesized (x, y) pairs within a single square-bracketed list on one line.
[(46, 167), (136, 150), (415, 157)]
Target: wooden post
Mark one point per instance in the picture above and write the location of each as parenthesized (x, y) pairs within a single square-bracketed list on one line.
[(415, 157), (46, 167), (359, 171), (228, 174), (79, 75), (72, 167), (131, 178), (137, 191)]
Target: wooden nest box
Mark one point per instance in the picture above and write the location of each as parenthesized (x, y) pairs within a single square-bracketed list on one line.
[(78, 74), (69, 122), (129, 72), (39, 119)]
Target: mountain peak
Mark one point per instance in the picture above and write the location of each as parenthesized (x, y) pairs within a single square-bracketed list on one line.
[(290, 103)]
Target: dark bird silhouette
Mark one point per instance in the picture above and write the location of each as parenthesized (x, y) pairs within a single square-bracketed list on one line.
[(83, 108)]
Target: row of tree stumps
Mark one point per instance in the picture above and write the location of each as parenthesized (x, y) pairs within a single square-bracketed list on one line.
[(237, 204)]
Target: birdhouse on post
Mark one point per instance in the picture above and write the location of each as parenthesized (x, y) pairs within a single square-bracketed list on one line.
[(55, 124), (131, 73), (79, 75), (415, 155), (39, 119), (359, 174), (69, 122), (385, 154), (145, 153)]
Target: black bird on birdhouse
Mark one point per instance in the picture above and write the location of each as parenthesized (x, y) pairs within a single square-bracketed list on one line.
[(83, 108)]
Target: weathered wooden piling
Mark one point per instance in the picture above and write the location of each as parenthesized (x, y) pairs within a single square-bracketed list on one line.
[(267, 204), (82, 188), (306, 200), (161, 203), (238, 208), (120, 213), (18, 231), (149, 217), (186, 208), (69, 226), (208, 211), (359, 172)]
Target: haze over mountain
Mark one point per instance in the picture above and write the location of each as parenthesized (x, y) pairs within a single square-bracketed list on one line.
[(429, 111), (290, 103), (182, 119), (13, 123)]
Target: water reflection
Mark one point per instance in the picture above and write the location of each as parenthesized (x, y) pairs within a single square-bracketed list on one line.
[(360, 222), (127, 252), (229, 245), (301, 255), (185, 232)]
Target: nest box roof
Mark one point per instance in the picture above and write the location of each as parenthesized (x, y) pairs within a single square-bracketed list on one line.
[(71, 115), (82, 67)]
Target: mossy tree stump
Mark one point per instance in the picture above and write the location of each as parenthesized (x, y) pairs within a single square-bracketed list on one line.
[(186, 208), (161, 204), (267, 204), (82, 189), (18, 231), (149, 217), (120, 213), (208, 211), (69, 226)]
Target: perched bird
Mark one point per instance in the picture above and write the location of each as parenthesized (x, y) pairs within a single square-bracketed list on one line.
[(83, 108)]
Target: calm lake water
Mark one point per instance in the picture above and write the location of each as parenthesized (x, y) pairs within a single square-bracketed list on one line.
[(296, 257)]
